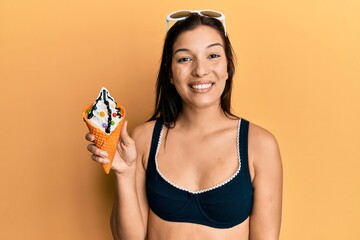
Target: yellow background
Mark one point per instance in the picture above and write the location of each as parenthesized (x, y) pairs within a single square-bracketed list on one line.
[(298, 74)]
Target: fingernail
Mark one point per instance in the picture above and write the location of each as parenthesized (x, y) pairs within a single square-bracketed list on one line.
[(106, 161)]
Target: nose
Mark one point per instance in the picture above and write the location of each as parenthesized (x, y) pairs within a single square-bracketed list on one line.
[(200, 68)]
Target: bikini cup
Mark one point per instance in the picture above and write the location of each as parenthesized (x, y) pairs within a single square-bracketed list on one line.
[(222, 206)]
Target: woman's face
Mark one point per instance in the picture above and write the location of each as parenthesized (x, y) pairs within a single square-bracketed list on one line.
[(199, 67)]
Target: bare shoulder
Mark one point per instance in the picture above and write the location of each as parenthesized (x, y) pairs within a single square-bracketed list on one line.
[(142, 135), (143, 131), (261, 138), (263, 147)]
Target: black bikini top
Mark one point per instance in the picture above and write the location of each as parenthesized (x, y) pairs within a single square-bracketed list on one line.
[(222, 206)]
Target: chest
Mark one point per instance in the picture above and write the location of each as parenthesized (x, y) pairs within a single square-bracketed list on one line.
[(197, 163)]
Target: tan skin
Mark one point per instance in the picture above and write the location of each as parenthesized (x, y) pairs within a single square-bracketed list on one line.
[(199, 75)]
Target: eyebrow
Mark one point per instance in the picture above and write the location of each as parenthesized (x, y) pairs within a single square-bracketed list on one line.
[(188, 50)]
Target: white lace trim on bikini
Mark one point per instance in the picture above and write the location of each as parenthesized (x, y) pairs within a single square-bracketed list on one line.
[(206, 189)]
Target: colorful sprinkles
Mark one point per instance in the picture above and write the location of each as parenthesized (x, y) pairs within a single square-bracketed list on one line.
[(110, 115)]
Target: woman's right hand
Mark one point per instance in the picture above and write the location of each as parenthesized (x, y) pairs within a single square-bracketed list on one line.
[(125, 155)]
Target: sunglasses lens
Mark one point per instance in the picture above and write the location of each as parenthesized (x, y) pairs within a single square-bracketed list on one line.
[(180, 14), (211, 14)]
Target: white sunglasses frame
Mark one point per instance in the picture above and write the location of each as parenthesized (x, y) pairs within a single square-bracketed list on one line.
[(169, 19)]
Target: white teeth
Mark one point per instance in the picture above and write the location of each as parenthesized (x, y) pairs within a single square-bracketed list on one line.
[(201, 86)]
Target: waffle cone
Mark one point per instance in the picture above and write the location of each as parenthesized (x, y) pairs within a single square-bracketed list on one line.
[(104, 141)]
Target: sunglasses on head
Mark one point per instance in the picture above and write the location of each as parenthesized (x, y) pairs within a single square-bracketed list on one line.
[(182, 14)]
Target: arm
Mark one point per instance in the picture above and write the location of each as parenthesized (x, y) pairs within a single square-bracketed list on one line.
[(265, 219), (127, 219)]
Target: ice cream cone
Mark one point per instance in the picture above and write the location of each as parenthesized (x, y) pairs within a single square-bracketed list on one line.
[(104, 141)]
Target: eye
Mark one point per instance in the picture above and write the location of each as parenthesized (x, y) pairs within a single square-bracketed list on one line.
[(184, 59), (214, 55)]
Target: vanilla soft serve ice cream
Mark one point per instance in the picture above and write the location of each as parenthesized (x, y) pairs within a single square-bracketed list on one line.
[(105, 119), (104, 113)]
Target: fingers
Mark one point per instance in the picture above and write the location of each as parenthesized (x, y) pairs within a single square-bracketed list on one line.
[(99, 159), (98, 155), (90, 137), (97, 151), (124, 135)]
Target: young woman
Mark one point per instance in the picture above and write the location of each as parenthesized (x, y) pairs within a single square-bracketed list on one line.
[(195, 170)]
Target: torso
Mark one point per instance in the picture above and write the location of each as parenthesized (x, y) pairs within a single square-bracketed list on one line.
[(159, 229), (211, 160)]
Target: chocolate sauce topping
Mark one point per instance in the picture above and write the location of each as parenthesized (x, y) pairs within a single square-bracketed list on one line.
[(103, 96)]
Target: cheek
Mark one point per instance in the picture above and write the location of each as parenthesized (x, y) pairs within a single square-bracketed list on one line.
[(177, 74), (222, 72)]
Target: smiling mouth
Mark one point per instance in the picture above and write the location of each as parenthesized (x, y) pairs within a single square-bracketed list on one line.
[(201, 86)]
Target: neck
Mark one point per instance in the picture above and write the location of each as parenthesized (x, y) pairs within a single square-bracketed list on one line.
[(204, 118)]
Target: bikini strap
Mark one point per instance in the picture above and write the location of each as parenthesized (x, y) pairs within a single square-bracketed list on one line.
[(243, 146), (155, 140)]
